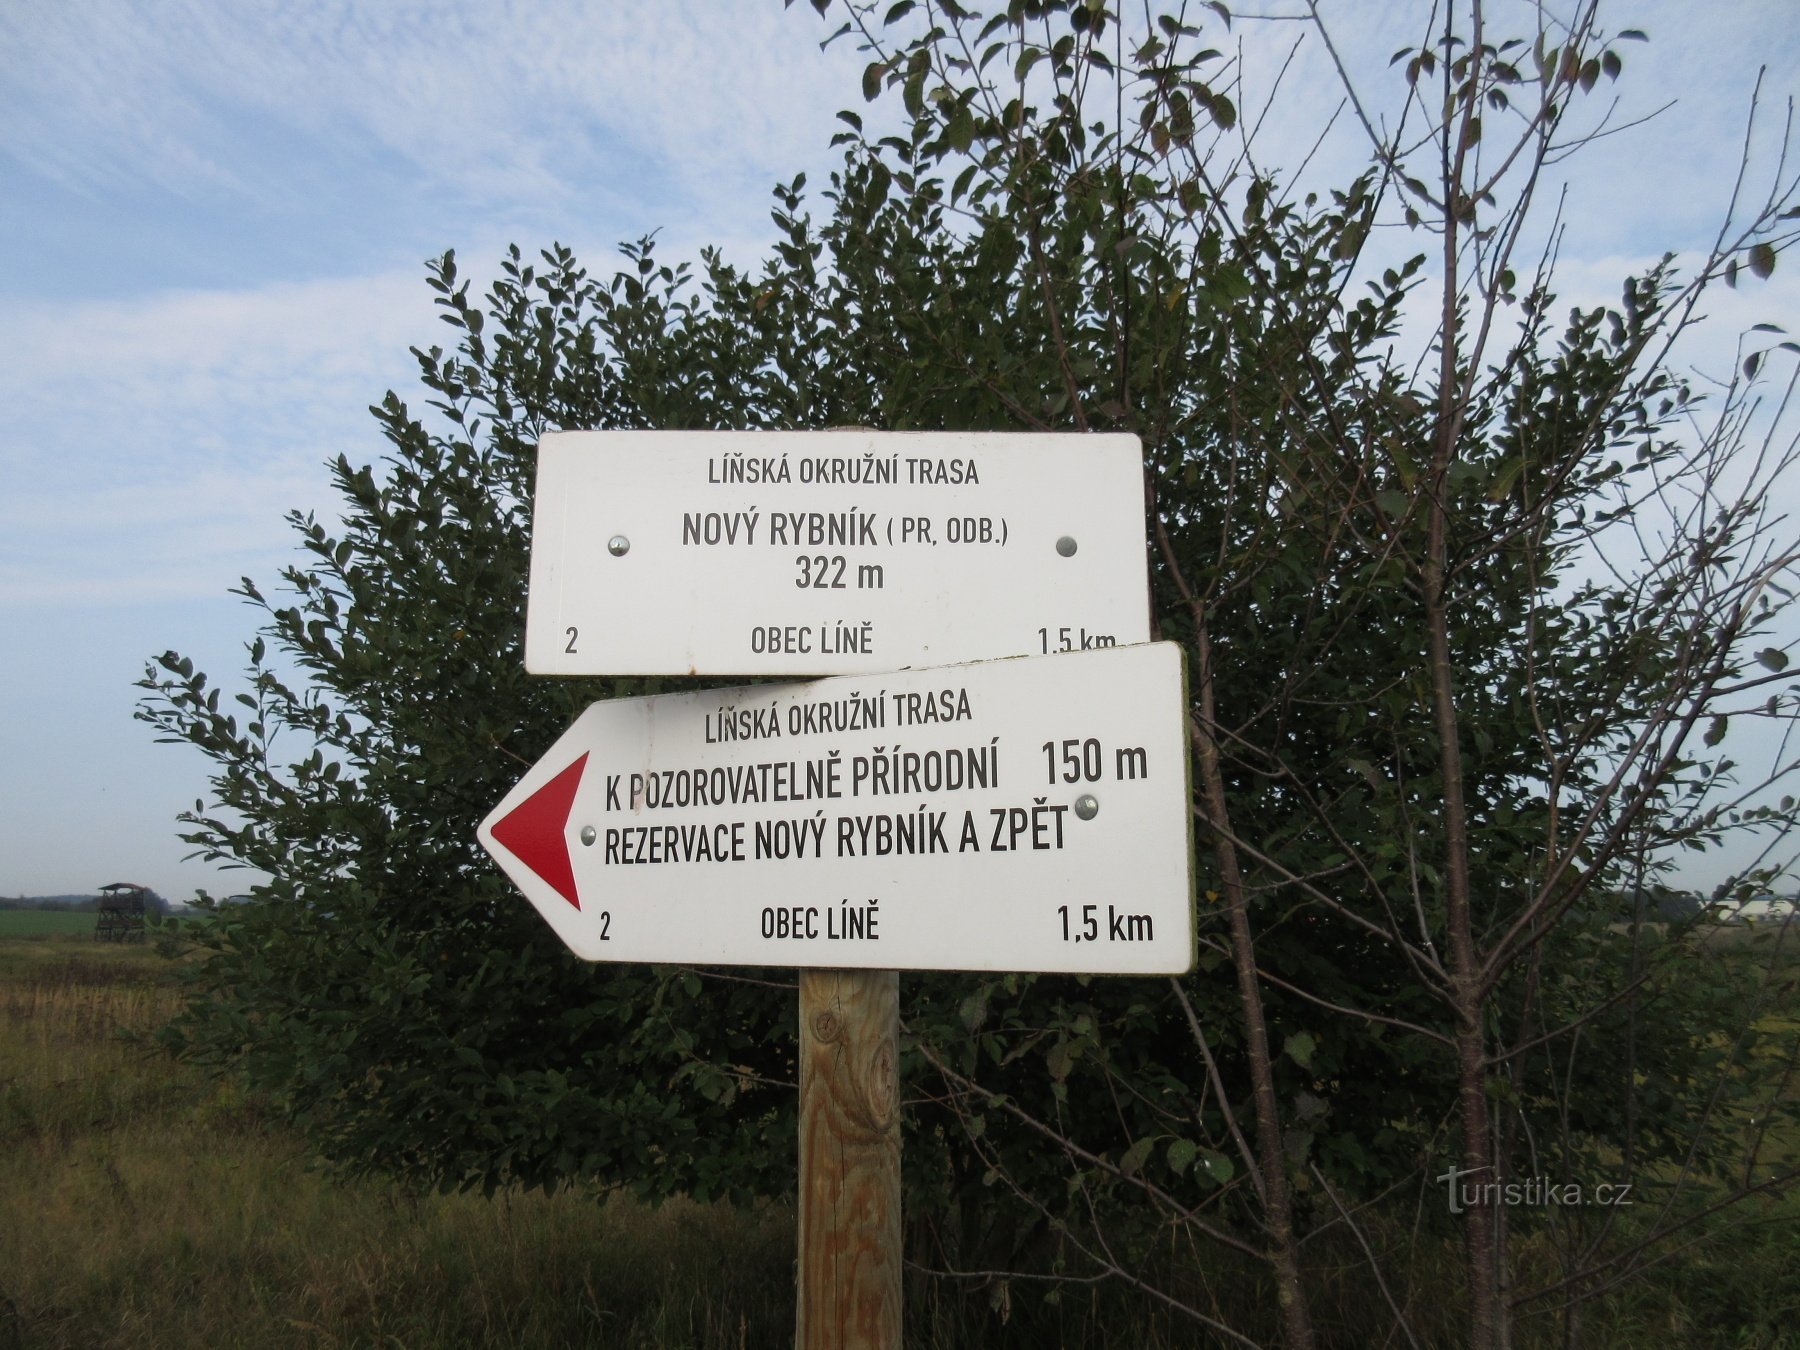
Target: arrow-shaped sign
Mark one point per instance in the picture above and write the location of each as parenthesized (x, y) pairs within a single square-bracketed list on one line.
[(1028, 814), (534, 831)]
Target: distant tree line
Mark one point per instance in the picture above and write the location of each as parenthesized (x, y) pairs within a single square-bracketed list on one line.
[(153, 902)]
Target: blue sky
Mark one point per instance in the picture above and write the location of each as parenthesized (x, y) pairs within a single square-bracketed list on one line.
[(212, 223)]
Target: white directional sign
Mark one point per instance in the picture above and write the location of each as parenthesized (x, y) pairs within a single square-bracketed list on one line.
[(836, 552), (1009, 815)]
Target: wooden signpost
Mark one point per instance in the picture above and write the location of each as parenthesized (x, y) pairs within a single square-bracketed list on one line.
[(976, 816), (849, 1202)]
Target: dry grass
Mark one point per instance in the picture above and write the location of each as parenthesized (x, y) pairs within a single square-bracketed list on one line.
[(72, 1058), (144, 1206)]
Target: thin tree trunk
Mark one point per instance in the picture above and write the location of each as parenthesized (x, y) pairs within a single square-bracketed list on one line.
[(1465, 972), (1465, 966), (1296, 1322)]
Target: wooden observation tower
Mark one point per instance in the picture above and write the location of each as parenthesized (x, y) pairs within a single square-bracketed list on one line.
[(121, 913)]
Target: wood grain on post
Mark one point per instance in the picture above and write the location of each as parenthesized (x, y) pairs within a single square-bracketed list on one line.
[(849, 1275)]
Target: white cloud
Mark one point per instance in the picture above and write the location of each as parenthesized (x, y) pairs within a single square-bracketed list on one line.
[(542, 101), (189, 537), (152, 446), (298, 333)]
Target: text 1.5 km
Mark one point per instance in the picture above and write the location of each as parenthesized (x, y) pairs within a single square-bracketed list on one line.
[(1073, 640), (1120, 927)]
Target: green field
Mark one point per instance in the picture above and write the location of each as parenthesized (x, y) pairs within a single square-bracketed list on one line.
[(41, 923)]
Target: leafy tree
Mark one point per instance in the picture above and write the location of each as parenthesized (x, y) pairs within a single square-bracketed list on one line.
[(1465, 634)]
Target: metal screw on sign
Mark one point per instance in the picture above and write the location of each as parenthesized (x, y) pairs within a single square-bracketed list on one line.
[(618, 546), (1066, 546), (1087, 806), (589, 834)]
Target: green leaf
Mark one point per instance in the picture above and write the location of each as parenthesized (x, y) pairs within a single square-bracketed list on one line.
[(1715, 731), (912, 91), (961, 185), (961, 131), (1762, 259), (1502, 485), (1220, 1168), (1393, 502), (1135, 1155), (1774, 658), (974, 1009), (1182, 1153), (1299, 1047)]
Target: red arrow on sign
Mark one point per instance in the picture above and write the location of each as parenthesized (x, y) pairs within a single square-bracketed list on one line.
[(533, 831)]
